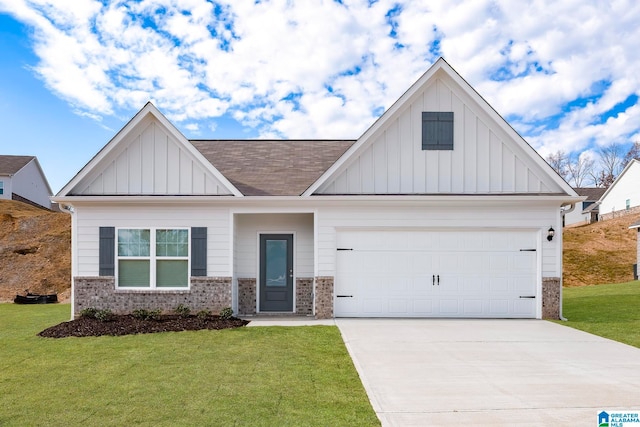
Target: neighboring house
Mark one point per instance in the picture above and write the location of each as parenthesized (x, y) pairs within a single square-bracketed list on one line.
[(586, 211), (623, 196), (636, 225), (22, 179), (440, 209)]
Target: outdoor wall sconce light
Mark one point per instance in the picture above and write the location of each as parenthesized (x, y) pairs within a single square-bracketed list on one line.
[(550, 234)]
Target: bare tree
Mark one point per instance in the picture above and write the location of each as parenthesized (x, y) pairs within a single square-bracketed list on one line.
[(633, 153), (579, 168), (559, 161), (602, 179), (611, 160)]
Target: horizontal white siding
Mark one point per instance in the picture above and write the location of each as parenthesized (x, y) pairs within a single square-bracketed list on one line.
[(89, 219), (524, 217), (150, 161), (247, 227), (626, 187), (485, 159)]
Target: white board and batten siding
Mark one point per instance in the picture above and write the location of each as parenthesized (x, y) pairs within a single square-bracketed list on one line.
[(150, 161), (89, 219), (485, 158)]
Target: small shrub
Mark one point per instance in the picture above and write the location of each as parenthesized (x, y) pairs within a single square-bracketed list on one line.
[(226, 313), (144, 314), (203, 314), (88, 312), (182, 310), (104, 315)]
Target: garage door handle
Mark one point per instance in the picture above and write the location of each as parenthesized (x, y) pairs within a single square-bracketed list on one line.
[(344, 296), (433, 280), (527, 296), (438, 280)]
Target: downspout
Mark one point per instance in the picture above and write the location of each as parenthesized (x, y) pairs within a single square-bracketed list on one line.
[(69, 209), (563, 212)]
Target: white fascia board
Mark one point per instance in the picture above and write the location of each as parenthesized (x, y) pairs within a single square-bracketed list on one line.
[(148, 109), (497, 199), (615, 181)]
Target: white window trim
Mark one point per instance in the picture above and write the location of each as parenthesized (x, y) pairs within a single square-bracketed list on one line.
[(152, 258)]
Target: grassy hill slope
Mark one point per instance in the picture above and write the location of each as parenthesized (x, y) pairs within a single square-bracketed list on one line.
[(603, 252), (35, 250)]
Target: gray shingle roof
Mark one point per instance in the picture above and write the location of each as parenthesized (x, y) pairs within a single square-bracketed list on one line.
[(9, 165), (269, 167), (592, 193)]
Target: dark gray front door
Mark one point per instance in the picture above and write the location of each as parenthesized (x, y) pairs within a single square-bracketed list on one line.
[(276, 272)]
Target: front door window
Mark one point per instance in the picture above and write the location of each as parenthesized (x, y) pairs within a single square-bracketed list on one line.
[(276, 272)]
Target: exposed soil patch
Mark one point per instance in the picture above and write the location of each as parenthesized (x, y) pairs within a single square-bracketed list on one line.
[(128, 325), (598, 253), (35, 251)]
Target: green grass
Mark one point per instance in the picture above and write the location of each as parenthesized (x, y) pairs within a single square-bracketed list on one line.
[(295, 376), (610, 311)]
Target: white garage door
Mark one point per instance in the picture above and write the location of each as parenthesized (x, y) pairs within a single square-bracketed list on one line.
[(436, 274)]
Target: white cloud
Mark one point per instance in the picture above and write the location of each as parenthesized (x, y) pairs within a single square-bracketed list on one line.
[(321, 69)]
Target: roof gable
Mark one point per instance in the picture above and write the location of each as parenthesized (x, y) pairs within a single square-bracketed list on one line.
[(629, 178), (9, 165), (272, 168), (488, 156), (149, 156)]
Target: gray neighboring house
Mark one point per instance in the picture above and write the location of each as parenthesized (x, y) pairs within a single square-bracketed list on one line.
[(22, 179), (586, 212), (636, 225)]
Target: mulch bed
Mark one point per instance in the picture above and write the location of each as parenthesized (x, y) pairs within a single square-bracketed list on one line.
[(128, 324)]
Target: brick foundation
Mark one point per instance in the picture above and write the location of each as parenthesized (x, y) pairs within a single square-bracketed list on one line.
[(304, 296), (621, 212), (324, 297), (206, 293), (247, 296), (551, 291)]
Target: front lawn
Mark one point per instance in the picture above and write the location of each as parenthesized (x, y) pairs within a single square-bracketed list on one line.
[(268, 376), (610, 311)]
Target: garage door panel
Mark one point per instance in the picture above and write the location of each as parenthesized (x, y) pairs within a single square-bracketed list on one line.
[(395, 273), (473, 307), (499, 306)]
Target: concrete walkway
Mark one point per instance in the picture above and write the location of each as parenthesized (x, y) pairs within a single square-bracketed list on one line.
[(427, 372)]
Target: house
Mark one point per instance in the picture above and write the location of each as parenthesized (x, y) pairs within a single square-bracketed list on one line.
[(623, 195), (587, 211), (22, 179), (440, 209), (636, 225)]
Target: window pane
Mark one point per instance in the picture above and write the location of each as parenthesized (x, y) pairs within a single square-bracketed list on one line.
[(133, 273), (172, 243), (133, 242), (276, 263), (172, 273)]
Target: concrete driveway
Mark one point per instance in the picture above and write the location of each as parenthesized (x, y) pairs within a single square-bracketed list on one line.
[(426, 372)]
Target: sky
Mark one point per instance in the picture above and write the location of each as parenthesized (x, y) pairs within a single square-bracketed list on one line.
[(564, 73)]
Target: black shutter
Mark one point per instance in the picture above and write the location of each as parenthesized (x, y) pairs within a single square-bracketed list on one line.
[(199, 251), (437, 130), (107, 251)]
